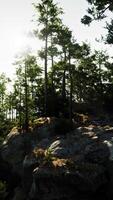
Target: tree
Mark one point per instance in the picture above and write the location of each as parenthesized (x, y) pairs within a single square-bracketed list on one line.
[(49, 21), (27, 72), (97, 10), (4, 118), (3, 89)]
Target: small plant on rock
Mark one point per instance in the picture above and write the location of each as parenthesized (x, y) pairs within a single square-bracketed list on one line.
[(48, 156)]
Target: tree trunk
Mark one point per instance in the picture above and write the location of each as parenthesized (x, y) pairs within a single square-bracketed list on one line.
[(46, 81), (52, 75), (52, 66), (26, 100), (71, 90), (12, 117), (64, 80), (20, 117)]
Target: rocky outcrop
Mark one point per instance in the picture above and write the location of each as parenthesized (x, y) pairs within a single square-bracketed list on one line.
[(19, 194), (56, 163), (14, 149), (67, 183)]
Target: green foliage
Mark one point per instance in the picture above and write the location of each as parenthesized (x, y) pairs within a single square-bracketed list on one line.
[(71, 73), (25, 88), (2, 190), (48, 18), (48, 156), (97, 10), (86, 20), (109, 38)]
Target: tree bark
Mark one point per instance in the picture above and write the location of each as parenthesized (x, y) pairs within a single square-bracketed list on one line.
[(26, 101), (46, 81), (64, 80), (71, 89)]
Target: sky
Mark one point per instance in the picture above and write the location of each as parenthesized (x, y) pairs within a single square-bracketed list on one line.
[(16, 22)]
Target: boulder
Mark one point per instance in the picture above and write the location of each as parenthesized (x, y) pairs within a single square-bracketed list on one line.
[(19, 194), (97, 153), (30, 162), (66, 183), (64, 148), (57, 162), (50, 127), (14, 149)]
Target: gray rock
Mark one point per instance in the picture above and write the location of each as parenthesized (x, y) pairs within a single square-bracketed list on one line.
[(62, 182), (97, 153), (90, 149), (14, 150), (19, 194)]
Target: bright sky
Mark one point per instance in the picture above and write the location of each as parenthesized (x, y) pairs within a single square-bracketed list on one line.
[(16, 22)]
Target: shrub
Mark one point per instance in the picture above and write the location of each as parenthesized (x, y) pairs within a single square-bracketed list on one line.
[(2, 190)]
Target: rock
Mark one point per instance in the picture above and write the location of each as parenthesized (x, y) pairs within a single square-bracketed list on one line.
[(71, 145), (5, 170), (45, 143), (109, 145), (57, 162), (64, 148), (30, 162), (14, 149), (52, 127), (97, 153), (110, 182), (19, 194), (63, 183), (81, 118)]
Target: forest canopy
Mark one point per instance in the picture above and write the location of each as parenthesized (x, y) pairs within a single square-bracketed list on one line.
[(70, 73)]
